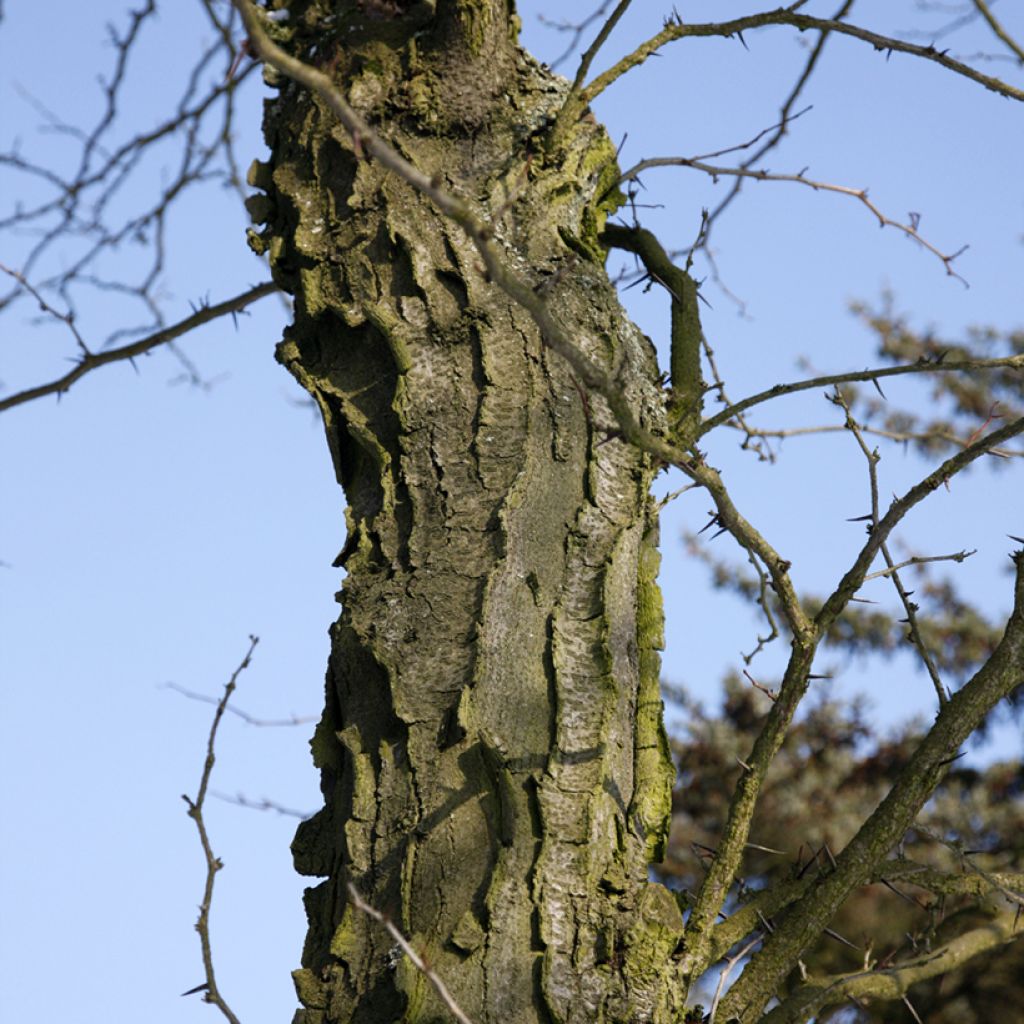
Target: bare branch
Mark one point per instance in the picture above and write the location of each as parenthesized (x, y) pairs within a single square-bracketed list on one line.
[(93, 210), (872, 459), (570, 107), (958, 556), (577, 28), (854, 577), (786, 117), (94, 360), (921, 366), (65, 318), (417, 961), (788, 891), (901, 436), (861, 194), (725, 865), (677, 29), (241, 800), (211, 993), (592, 50), (723, 976)]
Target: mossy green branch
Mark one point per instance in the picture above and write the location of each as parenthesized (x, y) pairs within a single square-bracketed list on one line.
[(573, 106), (893, 982), (686, 405), (784, 893), (698, 939)]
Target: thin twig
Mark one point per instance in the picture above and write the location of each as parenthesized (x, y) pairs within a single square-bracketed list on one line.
[(577, 28), (892, 569), (244, 715), (211, 993), (417, 961), (786, 117), (764, 600), (65, 318), (900, 436), (958, 556), (241, 800)]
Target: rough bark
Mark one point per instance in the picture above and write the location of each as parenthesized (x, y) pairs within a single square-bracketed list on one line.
[(494, 768)]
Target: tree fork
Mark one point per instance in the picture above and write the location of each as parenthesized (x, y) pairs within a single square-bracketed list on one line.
[(494, 767)]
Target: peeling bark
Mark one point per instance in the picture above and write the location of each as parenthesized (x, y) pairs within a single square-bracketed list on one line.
[(494, 767)]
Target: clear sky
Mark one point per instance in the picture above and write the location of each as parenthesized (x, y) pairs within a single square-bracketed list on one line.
[(147, 527)]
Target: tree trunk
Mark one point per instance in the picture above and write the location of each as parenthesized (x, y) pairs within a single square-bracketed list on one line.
[(494, 767)]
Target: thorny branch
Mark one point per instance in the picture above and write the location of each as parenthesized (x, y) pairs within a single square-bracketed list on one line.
[(211, 993), (65, 318), (958, 556), (90, 361), (766, 903), (893, 981), (920, 366), (591, 52), (777, 134), (807, 635), (1010, 888), (872, 458), (854, 578), (900, 436), (675, 29)]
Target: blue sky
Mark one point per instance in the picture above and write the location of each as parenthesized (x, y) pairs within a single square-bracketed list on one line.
[(147, 529)]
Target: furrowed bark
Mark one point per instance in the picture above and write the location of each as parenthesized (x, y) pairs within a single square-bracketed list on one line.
[(494, 767)]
